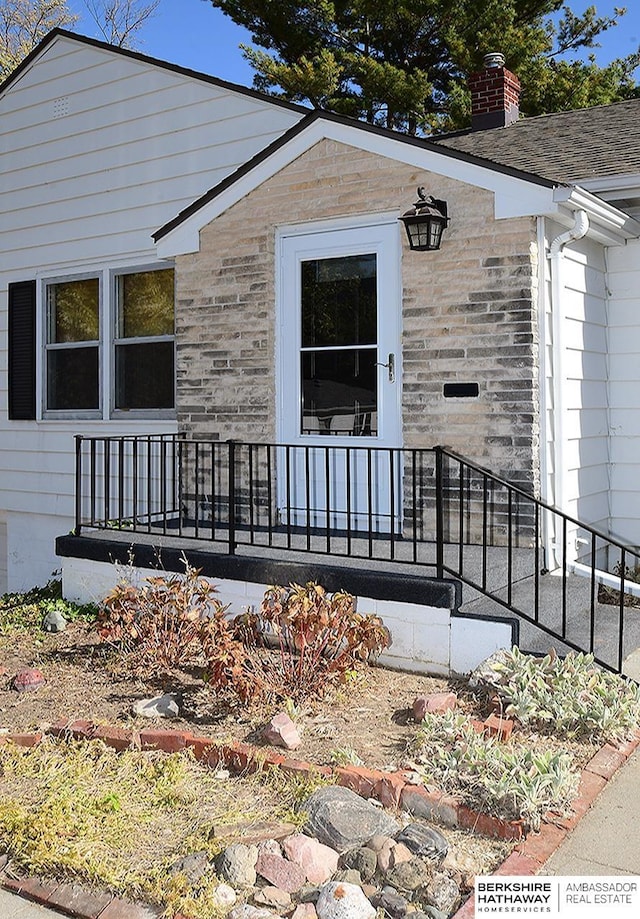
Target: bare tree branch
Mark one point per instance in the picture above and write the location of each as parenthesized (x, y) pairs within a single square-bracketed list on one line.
[(119, 21)]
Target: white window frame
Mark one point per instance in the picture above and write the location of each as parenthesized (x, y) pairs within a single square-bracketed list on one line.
[(108, 318), (48, 347), (115, 340)]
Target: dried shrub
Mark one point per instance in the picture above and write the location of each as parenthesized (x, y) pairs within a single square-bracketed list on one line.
[(320, 638), (159, 624), (172, 621)]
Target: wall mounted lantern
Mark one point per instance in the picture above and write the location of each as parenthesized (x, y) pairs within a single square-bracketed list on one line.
[(425, 221)]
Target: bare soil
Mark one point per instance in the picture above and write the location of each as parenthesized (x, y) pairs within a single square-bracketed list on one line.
[(369, 718)]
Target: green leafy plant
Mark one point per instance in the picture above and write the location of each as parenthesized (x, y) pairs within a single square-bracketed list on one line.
[(505, 779), (570, 697), (24, 612)]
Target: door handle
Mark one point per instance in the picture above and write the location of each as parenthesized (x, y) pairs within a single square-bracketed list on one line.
[(391, 367)]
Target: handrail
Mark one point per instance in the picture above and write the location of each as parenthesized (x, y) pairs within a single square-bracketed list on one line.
[(430, 508)]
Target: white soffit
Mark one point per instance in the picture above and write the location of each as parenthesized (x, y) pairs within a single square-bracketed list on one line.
[(514, 196)]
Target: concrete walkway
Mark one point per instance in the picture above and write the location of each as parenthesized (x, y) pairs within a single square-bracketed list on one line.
[(607, 839), (13, 906)]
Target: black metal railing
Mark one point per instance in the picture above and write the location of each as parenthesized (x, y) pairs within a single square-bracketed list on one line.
[(422, 507)]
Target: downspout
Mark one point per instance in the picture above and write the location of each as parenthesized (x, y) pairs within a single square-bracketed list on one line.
[(579, 229)]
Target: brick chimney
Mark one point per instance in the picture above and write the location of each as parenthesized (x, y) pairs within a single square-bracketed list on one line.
[(495, 95)]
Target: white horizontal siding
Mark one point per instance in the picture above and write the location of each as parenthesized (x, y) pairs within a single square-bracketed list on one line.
[(97, 151), (138, 143)]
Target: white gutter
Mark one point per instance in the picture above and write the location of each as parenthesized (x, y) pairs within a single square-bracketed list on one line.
[(579, 229)]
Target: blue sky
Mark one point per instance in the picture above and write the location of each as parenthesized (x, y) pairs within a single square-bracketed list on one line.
[(194, 34)]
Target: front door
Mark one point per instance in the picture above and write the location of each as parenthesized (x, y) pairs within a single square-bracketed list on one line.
[(339, 377)]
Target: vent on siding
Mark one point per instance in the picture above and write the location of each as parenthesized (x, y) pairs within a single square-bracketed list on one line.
[(22, 351), (61, 107)]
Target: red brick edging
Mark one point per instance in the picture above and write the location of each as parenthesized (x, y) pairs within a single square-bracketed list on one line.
[(392, 789)]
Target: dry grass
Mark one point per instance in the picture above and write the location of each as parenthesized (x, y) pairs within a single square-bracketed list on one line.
[(120, 820)]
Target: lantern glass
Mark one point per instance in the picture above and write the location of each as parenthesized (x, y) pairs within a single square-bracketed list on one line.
[(424, 231)]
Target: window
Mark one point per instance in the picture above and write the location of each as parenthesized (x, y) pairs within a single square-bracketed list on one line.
[(144, 342), (109, 343), (73, 345)]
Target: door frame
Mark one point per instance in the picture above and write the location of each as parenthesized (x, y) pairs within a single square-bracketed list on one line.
[(378, 233)]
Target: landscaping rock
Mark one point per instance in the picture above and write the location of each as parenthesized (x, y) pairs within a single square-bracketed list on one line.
[(410, 875), (223, 897), (348, 876), (280, 872), (429, 912), (193, 866), (343, 901), (394, 904), (422, 839), (28, 680), (247, 911), (443, 893), (164, 706), (282, 732), (434, 702), (362, 860), (237, 865), (341, 819), (318, 861), (304, 911), (273, 896), (484, 676), (393, 853), (54, 621)]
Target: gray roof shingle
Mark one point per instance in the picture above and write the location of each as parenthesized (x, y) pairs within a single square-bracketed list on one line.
[(564, 146)]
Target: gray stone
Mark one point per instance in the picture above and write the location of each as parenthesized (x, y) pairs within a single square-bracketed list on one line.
[(348, 876), (54, 621), (164, 706), (484, 676), (340, 818), (223, 898), (424, 840), (409, 875), (443, 893), (394, 904), (429, 912), (339, 900), (362, 860), (193, 866), (247, 911), (237, 865)]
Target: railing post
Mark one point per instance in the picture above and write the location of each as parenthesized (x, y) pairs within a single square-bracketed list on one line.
[(232, 497), (78, 523), (439, 512)]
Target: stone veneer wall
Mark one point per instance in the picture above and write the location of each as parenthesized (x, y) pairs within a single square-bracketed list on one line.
[(469, 311)]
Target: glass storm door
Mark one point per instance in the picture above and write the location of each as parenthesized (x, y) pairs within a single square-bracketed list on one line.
[(339, 308)]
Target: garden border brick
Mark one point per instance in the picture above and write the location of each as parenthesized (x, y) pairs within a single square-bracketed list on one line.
[(391, 788)]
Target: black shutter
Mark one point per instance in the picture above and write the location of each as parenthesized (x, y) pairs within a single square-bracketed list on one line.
[(22, 350)]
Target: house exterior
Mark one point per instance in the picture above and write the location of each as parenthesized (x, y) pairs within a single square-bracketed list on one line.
[(301, 316), (100, 147)]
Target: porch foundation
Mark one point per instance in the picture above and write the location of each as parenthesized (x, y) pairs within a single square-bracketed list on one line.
[(428, 633)]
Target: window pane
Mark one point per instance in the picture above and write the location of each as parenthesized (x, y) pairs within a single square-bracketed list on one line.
[(339, 301), (72, 378), (146, 304), (339, 392), (144, 375), (74, 311)]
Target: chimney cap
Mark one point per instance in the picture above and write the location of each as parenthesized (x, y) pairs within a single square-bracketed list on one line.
[(493, 59)]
